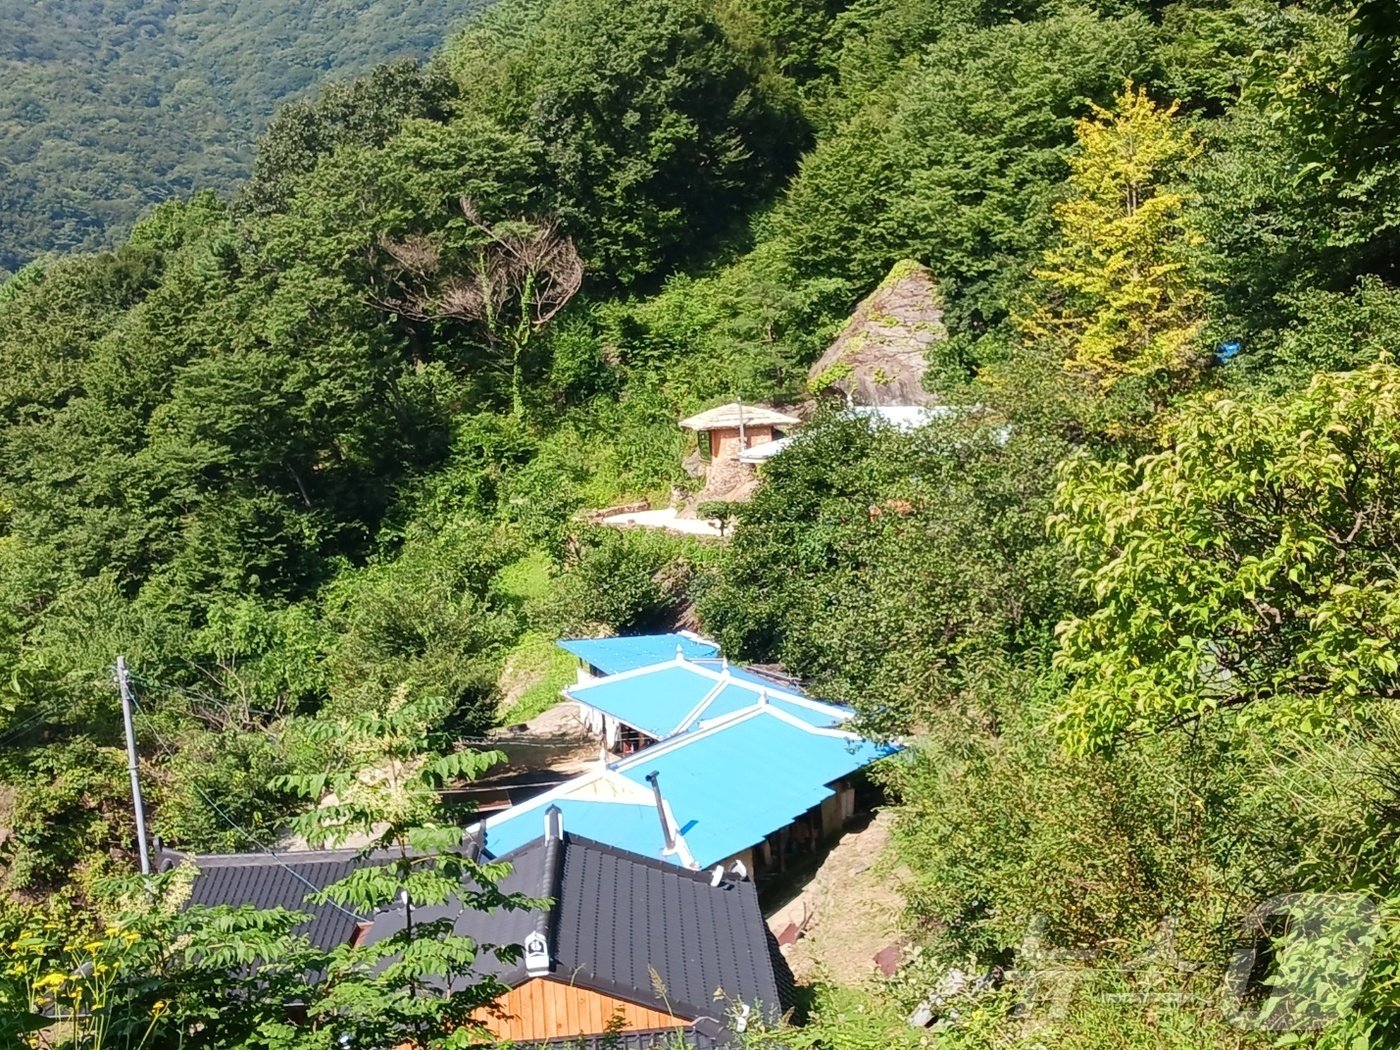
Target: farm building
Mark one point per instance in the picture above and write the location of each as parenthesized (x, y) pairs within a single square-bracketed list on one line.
[(635, 709), (282, 881), (631, 951), (667, 951), (600, 657)]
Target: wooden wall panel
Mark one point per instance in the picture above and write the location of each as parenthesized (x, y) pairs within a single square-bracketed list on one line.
[(725, 444), (547, 1009)]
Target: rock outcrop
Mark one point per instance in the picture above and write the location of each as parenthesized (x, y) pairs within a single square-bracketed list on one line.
[(881, 355)]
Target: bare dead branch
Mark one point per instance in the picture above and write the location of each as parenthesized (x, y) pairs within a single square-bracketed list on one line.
[(515, 280)]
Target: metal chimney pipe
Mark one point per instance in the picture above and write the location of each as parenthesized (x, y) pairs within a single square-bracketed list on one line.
[(654, 779)]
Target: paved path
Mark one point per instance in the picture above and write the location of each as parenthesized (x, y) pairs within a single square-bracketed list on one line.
[(664, 519)]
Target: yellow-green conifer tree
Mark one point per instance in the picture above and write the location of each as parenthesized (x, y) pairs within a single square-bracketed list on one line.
[(1118, 298)]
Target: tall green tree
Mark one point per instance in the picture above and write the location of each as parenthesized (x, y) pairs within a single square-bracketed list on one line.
[(380, 784), (657, 130), (515, 279), (895, 570)]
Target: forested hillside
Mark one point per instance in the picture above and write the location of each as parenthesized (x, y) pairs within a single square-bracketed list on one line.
[(313, 459), (110, 106)]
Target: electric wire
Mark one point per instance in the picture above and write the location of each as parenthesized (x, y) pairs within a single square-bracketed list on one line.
[(170, 753), (20, 729), (203, 698)]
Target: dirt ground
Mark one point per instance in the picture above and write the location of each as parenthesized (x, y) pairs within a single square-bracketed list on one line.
[(851, 909), (555, 740)]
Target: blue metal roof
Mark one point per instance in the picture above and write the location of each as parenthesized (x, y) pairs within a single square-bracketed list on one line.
[(633, 827), (745, 675), (732, 788), (728, 789), (615, 655), (654, 701), (664, 700)]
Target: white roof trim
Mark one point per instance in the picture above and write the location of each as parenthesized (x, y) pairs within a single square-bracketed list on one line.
[(781, 715), (635, 672), (705, 701)]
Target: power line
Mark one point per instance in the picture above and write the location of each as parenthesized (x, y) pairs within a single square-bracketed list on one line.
[(202, 698), (205, 698), (160, 741), (19, 729)]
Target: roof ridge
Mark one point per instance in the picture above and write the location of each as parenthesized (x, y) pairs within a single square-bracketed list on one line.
[(769, 684), (693, 715), (682, 739), (830, 731), (698, 875), (635, 672), (273, 857), (546, 921)]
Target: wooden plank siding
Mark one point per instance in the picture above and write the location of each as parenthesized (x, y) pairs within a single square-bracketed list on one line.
[(549, 1009)]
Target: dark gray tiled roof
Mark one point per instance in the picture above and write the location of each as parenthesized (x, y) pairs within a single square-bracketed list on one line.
[(633, 923), (632, 927), (283, 882)]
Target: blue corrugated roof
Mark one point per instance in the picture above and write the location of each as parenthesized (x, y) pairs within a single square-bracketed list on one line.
[(633, 827), (729, 700), (654, 701), (744, 674), (662, 700), (728, 789), (615, 655), (732, 788)]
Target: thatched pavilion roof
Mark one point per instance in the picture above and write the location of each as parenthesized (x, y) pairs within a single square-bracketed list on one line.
[(728, 417), (880, 356)]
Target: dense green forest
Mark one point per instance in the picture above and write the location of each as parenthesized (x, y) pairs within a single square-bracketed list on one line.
[(313, 460), (110, 106)]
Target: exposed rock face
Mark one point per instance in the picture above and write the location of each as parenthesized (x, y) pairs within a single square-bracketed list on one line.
[(725, 479), (880, 357)]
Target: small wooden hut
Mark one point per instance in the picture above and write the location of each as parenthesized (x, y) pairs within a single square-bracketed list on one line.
[(728, 430)]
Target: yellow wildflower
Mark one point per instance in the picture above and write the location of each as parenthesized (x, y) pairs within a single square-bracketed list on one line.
[(159, 1007)]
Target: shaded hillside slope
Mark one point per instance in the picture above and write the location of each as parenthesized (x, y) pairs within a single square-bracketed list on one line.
[(107, 106)]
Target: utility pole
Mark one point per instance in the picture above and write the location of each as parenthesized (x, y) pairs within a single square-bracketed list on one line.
[(124, 684)]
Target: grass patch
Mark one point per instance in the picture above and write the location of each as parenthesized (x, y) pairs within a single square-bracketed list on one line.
[(534, 672), (525, 580)]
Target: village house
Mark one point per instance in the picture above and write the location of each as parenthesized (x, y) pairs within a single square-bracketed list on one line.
[(751, 775), (660, 950), (723, 433), (636, 708), (600, 657), (283, 881), (631, 950)]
